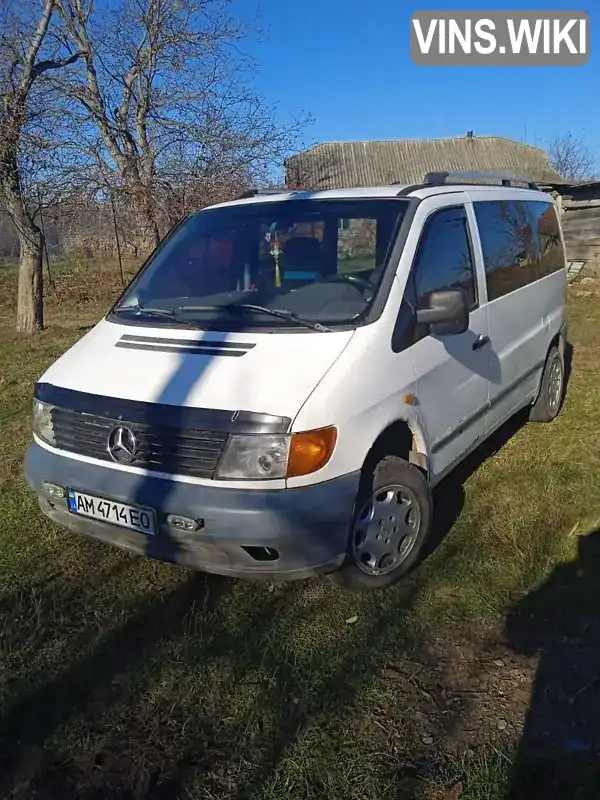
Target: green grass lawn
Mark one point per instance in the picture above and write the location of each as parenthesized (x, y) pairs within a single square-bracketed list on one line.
[(124, 677)]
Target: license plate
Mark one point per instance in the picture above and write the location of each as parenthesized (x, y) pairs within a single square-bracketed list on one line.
[(135, 517)]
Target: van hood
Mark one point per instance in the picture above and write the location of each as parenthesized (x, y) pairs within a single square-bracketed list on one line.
[(269, 373)]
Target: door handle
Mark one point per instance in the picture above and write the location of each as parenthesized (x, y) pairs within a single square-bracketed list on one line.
[(481, 341)]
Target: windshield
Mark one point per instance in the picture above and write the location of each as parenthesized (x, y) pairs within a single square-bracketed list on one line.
[(310, 263)]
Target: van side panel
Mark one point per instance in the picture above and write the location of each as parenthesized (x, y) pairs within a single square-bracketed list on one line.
[(454, 371), (526, 308), (362, 394), (520, 338)]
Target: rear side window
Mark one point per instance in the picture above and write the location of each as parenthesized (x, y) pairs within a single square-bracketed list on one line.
[(444, 259), (509, 245), (521, 243), (550, 247)]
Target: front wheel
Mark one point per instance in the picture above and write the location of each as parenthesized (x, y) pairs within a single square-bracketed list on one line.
[(550, 398), (392, 521)]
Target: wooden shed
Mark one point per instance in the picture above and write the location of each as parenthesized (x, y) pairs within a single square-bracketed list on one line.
[(579, 205)]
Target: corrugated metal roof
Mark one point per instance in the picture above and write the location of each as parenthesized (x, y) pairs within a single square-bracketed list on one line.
[(407, 161)]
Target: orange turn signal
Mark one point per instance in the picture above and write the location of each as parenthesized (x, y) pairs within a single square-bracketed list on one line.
[(310, 450)]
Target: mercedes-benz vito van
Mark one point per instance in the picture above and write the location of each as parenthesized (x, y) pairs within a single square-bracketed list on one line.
[(289, 375)]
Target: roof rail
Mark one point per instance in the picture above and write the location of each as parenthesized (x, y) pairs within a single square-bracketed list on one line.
[(483, 178), (266, 190)]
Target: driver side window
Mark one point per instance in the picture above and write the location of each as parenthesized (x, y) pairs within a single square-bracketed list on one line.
[(444, 259)]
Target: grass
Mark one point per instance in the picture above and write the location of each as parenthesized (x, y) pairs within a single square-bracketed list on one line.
[(124, 677)]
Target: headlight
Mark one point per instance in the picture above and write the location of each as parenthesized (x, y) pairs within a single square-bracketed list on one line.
[(266, 457), (254, 457), (42, 421)]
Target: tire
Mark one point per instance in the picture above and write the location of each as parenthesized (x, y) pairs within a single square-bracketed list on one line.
[(375, 563), (548, 404)]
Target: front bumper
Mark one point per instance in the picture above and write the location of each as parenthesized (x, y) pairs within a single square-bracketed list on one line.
[(308, 527)]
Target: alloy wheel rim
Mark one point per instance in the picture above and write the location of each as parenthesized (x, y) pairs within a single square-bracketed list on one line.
[(555, 382), (386, 529)]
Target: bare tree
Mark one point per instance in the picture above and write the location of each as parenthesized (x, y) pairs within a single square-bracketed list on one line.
[(27, 52), (571, 157), (166, 87)]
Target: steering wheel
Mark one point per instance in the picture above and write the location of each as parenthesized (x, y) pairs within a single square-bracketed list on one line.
[(360, 283)]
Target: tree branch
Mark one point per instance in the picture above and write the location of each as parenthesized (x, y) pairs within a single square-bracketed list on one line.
[(44, 66), (27, 76)]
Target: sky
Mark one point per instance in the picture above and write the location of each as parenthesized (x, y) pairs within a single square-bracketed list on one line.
[(347, 63)]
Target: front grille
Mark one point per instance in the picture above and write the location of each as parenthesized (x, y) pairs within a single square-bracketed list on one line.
[(181, 451)]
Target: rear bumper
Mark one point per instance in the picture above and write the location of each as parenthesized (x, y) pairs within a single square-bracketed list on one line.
[(308, 526)]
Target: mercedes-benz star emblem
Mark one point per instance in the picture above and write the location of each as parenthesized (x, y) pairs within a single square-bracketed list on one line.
[(122, 444)]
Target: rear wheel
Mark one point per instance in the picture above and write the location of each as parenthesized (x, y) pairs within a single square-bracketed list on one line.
[(549, 401), (391, 524)]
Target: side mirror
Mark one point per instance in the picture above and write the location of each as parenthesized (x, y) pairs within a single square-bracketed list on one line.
[(447, 314)]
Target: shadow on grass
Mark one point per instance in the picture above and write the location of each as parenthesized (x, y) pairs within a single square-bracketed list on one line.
[(569, 353), (96, 684), (33, 716), (449, 495), (559, 752)]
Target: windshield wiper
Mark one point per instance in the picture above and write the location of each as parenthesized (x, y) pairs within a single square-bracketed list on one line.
[(280, 313), (172, 313), (169, 313)]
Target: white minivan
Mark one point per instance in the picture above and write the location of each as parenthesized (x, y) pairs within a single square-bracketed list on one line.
[(289, 375)]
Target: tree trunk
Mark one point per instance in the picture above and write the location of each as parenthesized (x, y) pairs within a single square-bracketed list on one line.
[(149, 228), (142, 201), (30, 295), (149, 236), (30, 298)]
